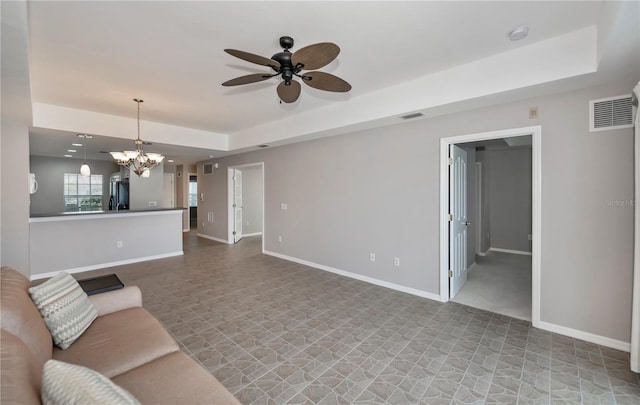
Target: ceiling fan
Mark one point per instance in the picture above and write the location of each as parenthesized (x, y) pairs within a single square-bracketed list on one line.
[(287, 65)]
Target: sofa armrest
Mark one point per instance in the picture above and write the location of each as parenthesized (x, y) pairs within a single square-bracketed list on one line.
[(117, 300)]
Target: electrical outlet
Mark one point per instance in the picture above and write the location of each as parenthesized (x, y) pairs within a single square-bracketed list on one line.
[(372, 257), (153, 203), (280, 238), (283, 206), (529, 237), (119, 244), (533, 113), (396, 261)]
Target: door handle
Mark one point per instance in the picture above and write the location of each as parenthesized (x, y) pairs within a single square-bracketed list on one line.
[(467, 223)]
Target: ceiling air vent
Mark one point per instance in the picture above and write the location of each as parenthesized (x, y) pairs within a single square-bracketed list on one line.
[(413, 115), (611, 113), (208, 168)]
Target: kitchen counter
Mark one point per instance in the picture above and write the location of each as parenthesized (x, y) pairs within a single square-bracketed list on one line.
[(62, 215), (82, 241)]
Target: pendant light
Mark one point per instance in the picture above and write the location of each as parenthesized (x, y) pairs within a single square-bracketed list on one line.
[(137, 160), (85, 170)]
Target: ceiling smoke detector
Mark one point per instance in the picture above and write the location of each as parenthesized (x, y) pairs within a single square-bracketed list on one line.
[(519, 33)]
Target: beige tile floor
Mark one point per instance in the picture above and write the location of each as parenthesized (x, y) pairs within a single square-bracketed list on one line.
[(276, 332)]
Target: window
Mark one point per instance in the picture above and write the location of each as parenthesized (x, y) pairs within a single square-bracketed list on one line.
[(82, 193)]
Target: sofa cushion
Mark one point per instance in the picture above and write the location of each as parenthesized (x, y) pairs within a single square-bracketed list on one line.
[(64, 383), (21, 372), (119, 342), (65, 308), (174, 379), (20, 317)]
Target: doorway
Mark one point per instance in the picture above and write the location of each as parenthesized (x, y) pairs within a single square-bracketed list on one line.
[(245, 192), (193, 200), (453, 270)]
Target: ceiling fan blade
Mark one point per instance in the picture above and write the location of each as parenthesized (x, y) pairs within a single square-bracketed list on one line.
[(315, 56), (289, 93), (249, 57), (326, 81), (253, 78)]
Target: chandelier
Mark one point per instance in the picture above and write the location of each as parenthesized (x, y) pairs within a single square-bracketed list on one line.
[(141, 163)]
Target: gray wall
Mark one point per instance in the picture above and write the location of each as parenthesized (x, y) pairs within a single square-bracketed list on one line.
[(14, 137), (510, 194), (378, 191), (252, 199), (485, 240), (471, 205), (143, 191), (49, 171)]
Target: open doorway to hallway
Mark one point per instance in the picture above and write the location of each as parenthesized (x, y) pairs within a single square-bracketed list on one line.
[(246, 201), (490, 194), (498, 250)]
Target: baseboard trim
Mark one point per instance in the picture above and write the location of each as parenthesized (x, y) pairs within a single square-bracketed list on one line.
[(356, 276), (252, 234), (105, 265), (586, 336), (515, 252), (473, 266), (226, 242)]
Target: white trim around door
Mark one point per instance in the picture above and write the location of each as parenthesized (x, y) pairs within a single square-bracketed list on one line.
[(536, 135)]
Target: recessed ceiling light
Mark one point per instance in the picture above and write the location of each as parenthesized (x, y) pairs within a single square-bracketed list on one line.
[(76, 144), (170, 160), (210, 156), (519, 33), (86, 136), (71, 150), (68, 156)]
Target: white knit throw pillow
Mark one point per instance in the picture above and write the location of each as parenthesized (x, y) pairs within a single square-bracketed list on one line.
[(64, 383), (65, 308)]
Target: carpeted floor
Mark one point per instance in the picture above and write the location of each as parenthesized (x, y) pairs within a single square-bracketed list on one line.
[(276, 332), (499, 282)]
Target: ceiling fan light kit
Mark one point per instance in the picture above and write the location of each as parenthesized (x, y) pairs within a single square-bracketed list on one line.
[(288, 65)]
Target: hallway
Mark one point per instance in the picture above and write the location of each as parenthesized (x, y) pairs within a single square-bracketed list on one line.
[(501, 283)]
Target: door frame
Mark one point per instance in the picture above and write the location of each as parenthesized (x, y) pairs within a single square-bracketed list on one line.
[(231, 198), (536, 173)]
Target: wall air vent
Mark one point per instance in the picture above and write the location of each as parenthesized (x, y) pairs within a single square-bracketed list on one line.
[(413, 115), (208, 168), (611, 113)]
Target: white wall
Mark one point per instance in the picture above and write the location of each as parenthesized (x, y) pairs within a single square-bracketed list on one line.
[(378, 191), (14, 141)]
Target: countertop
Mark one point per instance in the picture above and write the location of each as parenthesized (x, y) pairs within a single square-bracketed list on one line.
[(113, 212)]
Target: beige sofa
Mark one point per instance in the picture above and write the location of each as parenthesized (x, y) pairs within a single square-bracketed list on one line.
[(125, 343)]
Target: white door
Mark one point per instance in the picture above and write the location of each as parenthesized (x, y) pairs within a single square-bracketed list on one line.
[(168, 191), (237, 205), (458, 220)]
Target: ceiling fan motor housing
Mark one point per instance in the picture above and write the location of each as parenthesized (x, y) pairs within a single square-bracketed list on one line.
[(286, 42)]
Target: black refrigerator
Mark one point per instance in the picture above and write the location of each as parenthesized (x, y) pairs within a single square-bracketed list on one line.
[(119, 196)]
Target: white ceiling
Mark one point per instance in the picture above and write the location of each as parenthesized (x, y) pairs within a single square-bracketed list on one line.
[(97, 56)]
